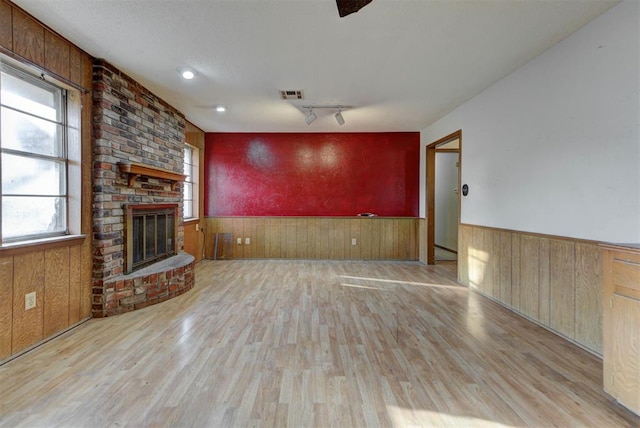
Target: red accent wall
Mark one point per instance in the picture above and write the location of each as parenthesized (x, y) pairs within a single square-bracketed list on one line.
[(312, 174)]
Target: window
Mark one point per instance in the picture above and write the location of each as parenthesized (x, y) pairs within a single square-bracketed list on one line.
[(33, 156), (190, 204)]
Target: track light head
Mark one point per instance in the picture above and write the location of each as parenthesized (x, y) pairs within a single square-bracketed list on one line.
[(311, 116)]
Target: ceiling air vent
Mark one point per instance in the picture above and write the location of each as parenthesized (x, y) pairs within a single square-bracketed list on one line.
[(291, 95)]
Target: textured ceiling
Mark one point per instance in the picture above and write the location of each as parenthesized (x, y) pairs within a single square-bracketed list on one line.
[(402, 64)]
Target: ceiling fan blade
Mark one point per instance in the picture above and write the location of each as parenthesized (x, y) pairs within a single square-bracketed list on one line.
[(347, 7)]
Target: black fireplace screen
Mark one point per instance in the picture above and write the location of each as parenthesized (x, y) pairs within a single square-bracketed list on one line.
[(151, 234)]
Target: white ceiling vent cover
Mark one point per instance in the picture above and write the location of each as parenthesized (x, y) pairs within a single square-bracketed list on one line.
[(295, 94)]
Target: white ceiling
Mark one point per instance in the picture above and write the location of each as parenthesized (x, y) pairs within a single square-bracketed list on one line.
[(402, 64)]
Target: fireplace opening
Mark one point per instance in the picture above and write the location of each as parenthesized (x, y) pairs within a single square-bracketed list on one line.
[(151, 231)]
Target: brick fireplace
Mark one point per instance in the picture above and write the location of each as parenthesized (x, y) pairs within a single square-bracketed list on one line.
[(131, 126)]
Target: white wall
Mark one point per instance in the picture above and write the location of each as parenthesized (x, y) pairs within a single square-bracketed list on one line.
[(446, 201), (554, 147)]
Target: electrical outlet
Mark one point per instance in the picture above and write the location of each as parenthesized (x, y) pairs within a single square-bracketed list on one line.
[(239, 241), (29, 301), (353, 241), (247, 241)]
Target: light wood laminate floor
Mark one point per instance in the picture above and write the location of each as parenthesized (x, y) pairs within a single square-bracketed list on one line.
[(311, 343)]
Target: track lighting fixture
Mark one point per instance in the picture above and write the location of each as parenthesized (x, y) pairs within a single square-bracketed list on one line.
[(311, 116)]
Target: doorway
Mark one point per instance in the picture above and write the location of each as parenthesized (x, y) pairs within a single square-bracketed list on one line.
[(443, 197)]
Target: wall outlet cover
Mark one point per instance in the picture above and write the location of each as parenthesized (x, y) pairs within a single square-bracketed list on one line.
[(29, 301)]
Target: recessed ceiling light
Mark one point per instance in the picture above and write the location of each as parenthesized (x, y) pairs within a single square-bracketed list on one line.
[(221, 109), (187, 73)]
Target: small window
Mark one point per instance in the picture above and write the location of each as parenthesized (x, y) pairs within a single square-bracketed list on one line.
[(191, 160), (33, 157)]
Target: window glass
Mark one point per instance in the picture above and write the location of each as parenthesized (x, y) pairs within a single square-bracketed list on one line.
[(188, 201), (25, 93), (29, 216), (33, 160), (190, 186), (27, 133), (188, 154), (26, 175)]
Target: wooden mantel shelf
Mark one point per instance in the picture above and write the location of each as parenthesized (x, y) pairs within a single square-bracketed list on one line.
[(136, 170)]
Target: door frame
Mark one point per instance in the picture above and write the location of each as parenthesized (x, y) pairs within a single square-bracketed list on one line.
[(431, 189)]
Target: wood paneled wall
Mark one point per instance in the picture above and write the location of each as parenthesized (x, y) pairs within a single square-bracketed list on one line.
[(194, 239), (26, 39), (422, 240), (61, 296), (61, 276), (554, 281), (326, 238)]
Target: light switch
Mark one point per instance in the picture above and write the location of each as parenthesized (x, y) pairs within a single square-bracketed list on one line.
[(239, 241)]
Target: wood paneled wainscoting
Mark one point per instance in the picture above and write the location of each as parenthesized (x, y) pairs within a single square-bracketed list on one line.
[(422, 240), (193, 239), (55, 275), (554, 281), (325, 238)]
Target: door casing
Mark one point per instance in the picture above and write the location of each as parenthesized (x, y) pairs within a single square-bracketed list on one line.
[(431, 189)]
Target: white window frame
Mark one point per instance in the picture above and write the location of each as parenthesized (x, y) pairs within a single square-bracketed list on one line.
[(70, 156), (191, 169)]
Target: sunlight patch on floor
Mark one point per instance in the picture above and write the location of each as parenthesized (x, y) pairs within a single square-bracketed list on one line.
[(475, 317), (395, 281), (365, 287), (401, 417)]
